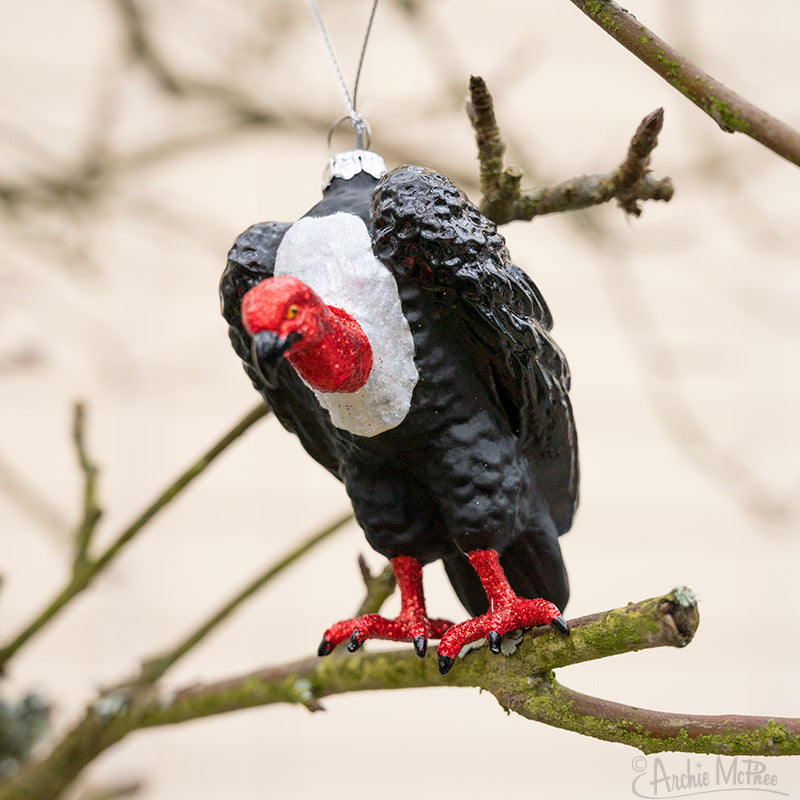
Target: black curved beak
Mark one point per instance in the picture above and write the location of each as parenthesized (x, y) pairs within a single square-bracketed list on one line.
[(267, 349)]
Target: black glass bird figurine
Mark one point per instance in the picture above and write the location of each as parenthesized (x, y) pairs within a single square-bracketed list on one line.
[(389, 330)]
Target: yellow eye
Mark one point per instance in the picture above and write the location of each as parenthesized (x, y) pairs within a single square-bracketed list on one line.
[(291, 312)]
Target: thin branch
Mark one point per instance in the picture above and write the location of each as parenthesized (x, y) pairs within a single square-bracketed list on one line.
[(141, 47), (91, 509), (491, 147), (113, 792), (154, 668), (633, 170), (655, 731), (379, 588), (180, 483), (29, 500), (730, 468), (729, 110), (82, 578), (522, 682), (503, 200)]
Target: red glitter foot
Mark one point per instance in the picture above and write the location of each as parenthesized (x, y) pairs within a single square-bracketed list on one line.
[(411, 624), (508, 612)]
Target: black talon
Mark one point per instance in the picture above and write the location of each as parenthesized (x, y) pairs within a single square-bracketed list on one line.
[(445, 664), (494, 641), (354, 642), (325, 647), (560, 624), (421, 645)]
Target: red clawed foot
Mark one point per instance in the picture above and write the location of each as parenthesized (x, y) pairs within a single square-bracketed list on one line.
[(508, 612), (410, 625), (404, 628)]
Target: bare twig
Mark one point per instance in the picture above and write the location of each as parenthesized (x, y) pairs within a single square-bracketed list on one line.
[(491, 147), (503, 200), (154, 668), (729, 468), (81, 578), (633, 170), (727, 108), (379, 588), (32, 502), (141, 47), (523, 683), (91, 510), (113, 792)]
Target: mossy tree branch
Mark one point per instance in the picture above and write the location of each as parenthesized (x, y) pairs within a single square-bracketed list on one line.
[(503, 199), (85, 567), (51, 777), (727, 108), (523, 683)]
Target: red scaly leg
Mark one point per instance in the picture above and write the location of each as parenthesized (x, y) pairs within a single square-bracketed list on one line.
[(507, 612), (411, 624)]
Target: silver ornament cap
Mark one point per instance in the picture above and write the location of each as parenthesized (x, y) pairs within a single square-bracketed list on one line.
[(346, 165)]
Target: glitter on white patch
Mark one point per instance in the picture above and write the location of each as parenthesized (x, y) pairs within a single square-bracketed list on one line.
[(333, 255)]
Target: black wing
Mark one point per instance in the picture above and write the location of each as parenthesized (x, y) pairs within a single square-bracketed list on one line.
[(250, 261), (425, 227)]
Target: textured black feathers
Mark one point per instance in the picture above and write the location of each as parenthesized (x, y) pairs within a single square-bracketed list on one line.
[(439, 244), (425, 227)]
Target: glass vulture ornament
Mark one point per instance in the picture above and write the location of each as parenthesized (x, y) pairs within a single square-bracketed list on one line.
[(389, 330)]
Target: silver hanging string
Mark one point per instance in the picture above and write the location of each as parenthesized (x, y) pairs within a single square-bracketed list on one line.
[(364, 50), (356, 120)]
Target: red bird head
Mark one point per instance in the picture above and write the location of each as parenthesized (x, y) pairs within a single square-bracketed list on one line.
[(288, 308), (326, 346)]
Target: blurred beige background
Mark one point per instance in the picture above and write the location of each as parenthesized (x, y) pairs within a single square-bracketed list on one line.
[(123, 181)]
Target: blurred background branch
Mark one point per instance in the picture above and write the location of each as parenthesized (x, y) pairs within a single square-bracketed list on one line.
[(86, 567), (139, 138)]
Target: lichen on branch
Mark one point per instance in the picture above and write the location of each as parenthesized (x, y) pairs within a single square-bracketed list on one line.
[(732, 112), (503, 199), (523, 682)]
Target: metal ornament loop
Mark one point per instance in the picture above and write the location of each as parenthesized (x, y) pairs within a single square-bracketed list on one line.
[(361, 128)]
